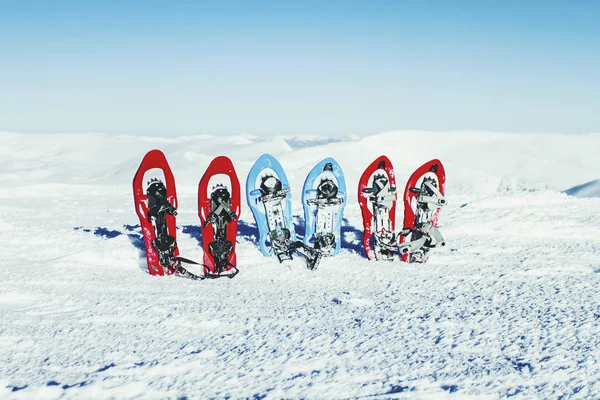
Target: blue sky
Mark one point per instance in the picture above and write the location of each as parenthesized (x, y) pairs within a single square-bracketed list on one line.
[(292, 67)]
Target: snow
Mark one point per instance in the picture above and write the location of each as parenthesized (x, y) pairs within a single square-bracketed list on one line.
[(510, 307)]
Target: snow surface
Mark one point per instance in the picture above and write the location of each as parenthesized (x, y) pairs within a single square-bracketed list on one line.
[(509, 308)]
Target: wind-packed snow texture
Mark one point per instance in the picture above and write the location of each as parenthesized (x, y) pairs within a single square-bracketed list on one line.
[(509, 308)]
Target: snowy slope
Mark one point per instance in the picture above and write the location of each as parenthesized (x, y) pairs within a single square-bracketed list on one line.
[(589, 189), (509, 308)]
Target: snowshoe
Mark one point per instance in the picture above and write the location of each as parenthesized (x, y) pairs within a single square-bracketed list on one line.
[(324, 199), (156, 207), (377, 199), (424, 196), (219, 210)]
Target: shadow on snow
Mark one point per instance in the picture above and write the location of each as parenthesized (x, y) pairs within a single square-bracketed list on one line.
[(351, 236), (589, 189)]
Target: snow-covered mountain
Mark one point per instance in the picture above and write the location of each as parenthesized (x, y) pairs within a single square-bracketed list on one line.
[(510, 307)]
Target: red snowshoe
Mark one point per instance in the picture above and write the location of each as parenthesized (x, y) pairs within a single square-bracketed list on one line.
[(423, 199), (155, 200), (219, 210), (377, 199)]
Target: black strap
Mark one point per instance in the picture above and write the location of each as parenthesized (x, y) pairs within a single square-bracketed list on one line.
[(186, 273), (312, 256)]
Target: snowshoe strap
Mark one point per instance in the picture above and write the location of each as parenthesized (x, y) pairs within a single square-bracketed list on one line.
[(383, 195), (411, 247), (325, 243), (186, 260), (436, 198), (188, 274), (212, 217), (160, 203), (430, 237), (165, 245), (433, 233), (274, 197), (280, 241), (326, 202), (184, 272), (386, 199), (312, 256), (385, 240), (220, 251), (165, 206), (226, 275), (284, 255)]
